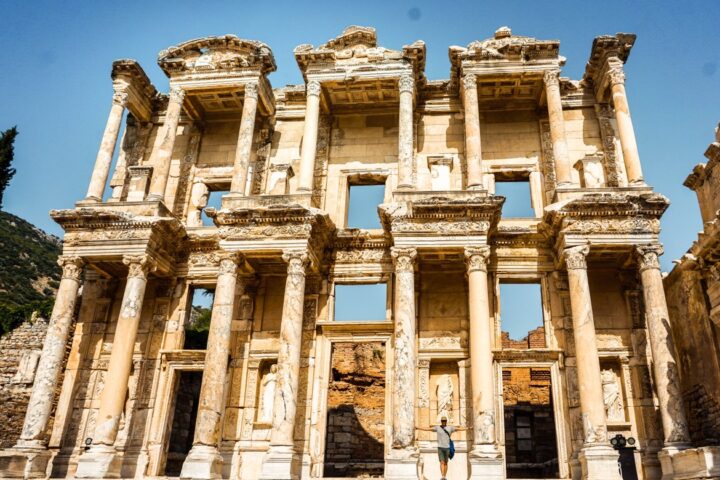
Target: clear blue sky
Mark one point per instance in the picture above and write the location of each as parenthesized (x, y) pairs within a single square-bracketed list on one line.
[(56, 58)]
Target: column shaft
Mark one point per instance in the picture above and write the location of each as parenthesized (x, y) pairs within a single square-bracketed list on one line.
[(161, 169), (53, 352), (101, 170), (112, 397), (310, 135), (288, 365), (405, 133), (245, 139), (473, 144), (625, 127), (557, 128), (212, 390), (481, 356), (586, 354), (403, 376), (665, 368)]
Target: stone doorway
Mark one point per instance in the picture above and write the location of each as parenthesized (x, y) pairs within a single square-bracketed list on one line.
[(530, 434), (184, 415), (356, 411)]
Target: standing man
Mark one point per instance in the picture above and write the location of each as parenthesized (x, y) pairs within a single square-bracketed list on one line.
[(443, 432)]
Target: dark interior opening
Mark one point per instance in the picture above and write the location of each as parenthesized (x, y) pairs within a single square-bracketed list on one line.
[(183, 423)]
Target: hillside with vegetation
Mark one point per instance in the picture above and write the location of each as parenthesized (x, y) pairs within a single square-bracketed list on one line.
[(29, 273)]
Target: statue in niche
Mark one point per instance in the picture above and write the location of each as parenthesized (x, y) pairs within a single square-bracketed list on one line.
[(269, 383), (444, 392), (198, 201), (612, 396)]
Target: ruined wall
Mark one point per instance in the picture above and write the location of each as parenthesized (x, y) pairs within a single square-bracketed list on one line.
[(356, 410), (534, 339), (19, 354), (697, 354)]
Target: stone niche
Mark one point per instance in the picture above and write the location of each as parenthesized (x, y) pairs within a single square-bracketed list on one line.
[(356, 411), (444, 393)]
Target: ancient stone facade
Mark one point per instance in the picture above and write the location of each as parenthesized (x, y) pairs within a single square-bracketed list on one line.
[(693, 292), (280, 244)]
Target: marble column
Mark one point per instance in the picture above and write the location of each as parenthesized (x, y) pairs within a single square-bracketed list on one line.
[(597, 458), (485, 459), (625, 126), (29, 457), (406, 156), (204, 460), (245, 139), (310, 136), (473, 144), (665, 368), (402, 460), (100, 461), (557, 128), (101, 170), (278, 460), (163, 157)]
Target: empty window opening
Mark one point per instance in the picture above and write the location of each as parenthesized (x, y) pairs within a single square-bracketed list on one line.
[(355, 434), (214, 201), (530, 438), (182, 431), (518, 203), (521, 316), (362, 206), (197, 325), (366, 302)]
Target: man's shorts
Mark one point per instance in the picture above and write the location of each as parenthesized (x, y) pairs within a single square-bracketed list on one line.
[(444, 454)]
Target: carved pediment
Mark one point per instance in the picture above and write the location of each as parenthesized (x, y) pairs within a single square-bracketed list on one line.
[(210, 54), (506, 46)]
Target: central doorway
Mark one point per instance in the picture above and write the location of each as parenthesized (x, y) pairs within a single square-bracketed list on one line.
[(184, 414), (530, 434), (354, 437)]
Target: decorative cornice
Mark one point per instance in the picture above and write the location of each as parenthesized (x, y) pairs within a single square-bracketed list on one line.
[(403, 259)]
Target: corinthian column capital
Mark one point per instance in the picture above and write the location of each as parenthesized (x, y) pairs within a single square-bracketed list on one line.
[(403, 258), (228, 262), (616, 75), (72, 267), (469, 81), (476, 258), (120, 97), (647, 256), (312, 88), (177, 95), (297, 260), (139, 265), (406, 83), (575, 257), (251, 90), (551, 78)]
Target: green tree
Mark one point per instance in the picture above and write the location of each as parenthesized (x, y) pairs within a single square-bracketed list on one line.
[(7, 139)]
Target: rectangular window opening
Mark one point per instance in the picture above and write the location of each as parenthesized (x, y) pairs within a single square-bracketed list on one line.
[(214, 200), (363, 200), (197, 324), (364, 302), (518, 203), (521, 316)]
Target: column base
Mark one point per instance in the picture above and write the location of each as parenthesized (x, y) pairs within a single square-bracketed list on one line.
[(486, 462), (599, 462), (402, 464), (101, 461), (690, 463), (203, 462), (277, 464), (25, 462)]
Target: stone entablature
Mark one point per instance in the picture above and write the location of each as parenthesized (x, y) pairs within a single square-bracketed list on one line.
[(280, 243)]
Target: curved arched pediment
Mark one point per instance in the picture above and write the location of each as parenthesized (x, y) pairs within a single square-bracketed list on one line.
[(227, 52)]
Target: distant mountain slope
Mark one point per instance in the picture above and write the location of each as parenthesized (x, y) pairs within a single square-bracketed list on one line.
[(29, 273)]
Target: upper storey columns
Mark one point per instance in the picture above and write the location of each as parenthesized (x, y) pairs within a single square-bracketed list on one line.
[(245, 139), (557, 127), (310, 135), (101, 170), (164, 152), (405, 135), (473, 145), (625, 126)]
